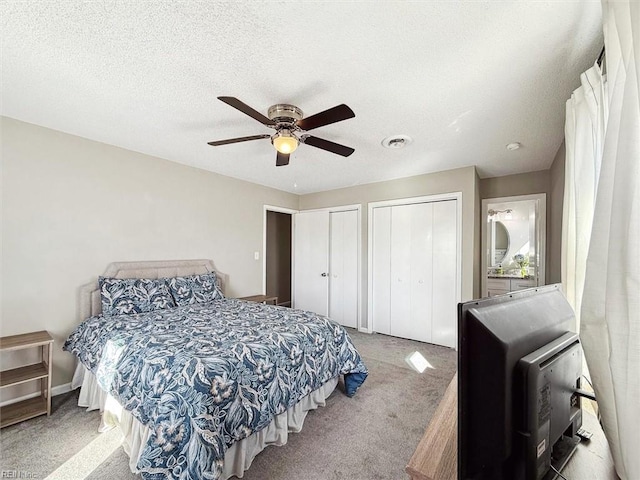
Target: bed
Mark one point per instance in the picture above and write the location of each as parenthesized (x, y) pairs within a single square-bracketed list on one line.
[(200, 383)]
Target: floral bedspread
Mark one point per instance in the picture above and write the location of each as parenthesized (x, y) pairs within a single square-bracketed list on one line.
[(206, 375)]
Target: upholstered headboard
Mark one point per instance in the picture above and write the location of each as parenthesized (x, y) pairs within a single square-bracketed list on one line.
[(90, 303)]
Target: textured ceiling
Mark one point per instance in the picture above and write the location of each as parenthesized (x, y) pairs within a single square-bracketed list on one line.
[(462, 79)]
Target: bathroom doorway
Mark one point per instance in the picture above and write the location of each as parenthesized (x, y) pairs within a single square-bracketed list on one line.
[(278, 254)]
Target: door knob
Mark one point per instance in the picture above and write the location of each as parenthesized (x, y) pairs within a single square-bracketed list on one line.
[(324, 274)]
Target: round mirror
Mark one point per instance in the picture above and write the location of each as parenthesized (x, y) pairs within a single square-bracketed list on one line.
[(501, 243)]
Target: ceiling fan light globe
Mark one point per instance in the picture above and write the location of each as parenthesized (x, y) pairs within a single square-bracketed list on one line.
[(285, 144)]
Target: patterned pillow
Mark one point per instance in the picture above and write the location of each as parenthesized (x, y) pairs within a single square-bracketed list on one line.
[(133, 295), (194, 289)]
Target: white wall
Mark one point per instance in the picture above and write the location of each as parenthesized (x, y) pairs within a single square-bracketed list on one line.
[(70, 206)]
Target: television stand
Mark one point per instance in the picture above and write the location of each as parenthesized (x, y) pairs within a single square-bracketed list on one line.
[(436, 455)]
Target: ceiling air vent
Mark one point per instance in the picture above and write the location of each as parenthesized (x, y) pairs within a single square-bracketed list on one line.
[(396, 141)]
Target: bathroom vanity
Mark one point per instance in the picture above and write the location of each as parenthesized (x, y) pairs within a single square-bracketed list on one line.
[(513, 233), (497, 285)]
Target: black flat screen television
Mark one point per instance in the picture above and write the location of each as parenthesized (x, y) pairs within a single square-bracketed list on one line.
[(519, 368)]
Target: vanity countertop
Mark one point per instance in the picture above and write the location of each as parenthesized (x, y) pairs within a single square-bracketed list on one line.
[(516, 277)]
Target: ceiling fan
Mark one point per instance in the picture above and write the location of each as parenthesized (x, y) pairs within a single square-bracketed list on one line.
[(290, 126)]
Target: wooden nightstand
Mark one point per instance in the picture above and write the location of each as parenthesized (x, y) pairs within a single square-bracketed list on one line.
[(261, 299), (32, 407)]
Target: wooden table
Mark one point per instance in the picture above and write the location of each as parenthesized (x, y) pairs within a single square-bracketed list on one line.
[(436, 457)]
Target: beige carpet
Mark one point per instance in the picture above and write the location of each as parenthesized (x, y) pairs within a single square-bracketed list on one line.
[(370, 436)]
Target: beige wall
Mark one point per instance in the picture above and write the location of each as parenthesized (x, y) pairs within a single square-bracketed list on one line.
[(550, 182), (70, 206), (519, 184), (556, 194), (477, 244), (460, 180)]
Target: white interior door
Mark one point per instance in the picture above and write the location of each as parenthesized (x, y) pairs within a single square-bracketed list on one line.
[(400, 291), (343, 268), (311, 261), (445, 261), (421, 280), (381, 265)]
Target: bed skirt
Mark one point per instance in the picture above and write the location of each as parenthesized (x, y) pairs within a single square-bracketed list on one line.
[(237, 458)]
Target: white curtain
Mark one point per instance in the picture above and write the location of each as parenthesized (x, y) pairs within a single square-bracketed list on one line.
[(584, 137), (601, 255)]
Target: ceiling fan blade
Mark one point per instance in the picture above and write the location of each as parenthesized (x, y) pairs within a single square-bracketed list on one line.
[(327, 145), (333, 115), (247, 110), (237, 140), (282, 159)]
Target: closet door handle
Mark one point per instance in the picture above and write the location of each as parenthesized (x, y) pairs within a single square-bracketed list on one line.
[(323, 274)]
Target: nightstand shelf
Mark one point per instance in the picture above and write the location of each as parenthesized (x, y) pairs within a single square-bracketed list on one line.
[(31, 407), (269, 300), (24, 410), (23, 374)]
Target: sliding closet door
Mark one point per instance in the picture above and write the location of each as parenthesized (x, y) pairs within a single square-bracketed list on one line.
[(421, 281), (414, 271), (343, 268), (400, 289), (380, 277), (445, 261), (411, 271)]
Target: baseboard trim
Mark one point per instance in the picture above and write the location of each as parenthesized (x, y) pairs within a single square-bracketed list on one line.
[(55, 391), (365, 330), (60, 389)]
